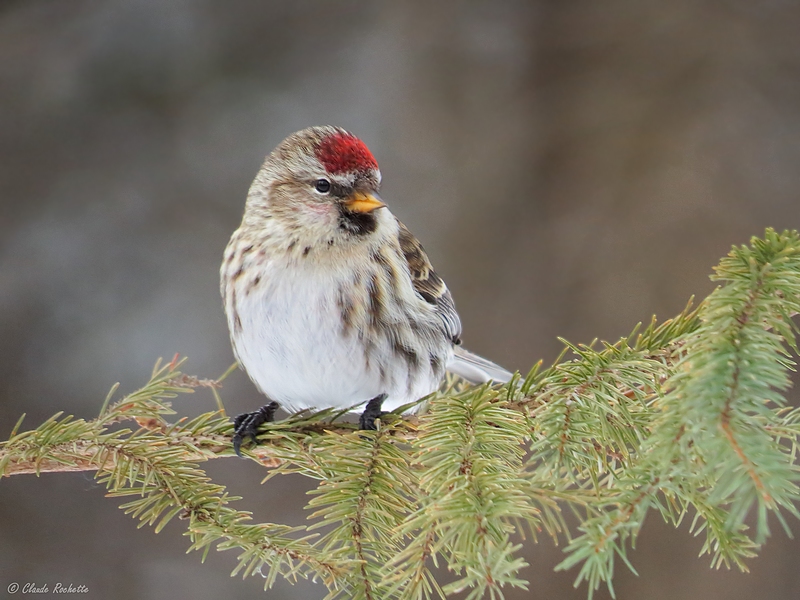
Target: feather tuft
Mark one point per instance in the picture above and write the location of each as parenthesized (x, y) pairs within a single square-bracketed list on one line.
[(343, 153)]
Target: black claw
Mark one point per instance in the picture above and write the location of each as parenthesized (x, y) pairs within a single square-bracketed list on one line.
[(371, 412), (239, 419), (246, 425)]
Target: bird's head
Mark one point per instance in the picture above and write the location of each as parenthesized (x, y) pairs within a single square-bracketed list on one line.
[(319, 186)]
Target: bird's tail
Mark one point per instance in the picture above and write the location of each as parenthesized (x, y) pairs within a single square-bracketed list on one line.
[(476, 369)]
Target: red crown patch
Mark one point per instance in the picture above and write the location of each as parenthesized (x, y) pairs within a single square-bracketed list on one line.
[(345, 153)]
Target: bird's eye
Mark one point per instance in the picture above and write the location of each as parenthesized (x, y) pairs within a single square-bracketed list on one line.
[(323, 186)]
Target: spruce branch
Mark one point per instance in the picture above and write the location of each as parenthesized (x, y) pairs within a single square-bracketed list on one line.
[(687, 417), (717, 431), (158, 463), (725, 397), (365, 493), (469, 448)]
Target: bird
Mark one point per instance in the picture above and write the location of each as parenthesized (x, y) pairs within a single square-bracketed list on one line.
[(330, 300)]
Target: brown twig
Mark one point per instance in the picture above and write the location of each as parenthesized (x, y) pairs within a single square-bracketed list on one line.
[(78, 455)]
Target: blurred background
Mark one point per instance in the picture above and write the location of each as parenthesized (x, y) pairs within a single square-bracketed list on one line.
[(571, 168)]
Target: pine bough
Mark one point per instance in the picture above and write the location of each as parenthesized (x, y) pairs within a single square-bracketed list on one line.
[(686, 418)]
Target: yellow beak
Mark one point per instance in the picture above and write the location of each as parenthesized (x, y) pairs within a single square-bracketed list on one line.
[(363, 203)]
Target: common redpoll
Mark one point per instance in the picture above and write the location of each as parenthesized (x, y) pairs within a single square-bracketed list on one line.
[(331, 302)]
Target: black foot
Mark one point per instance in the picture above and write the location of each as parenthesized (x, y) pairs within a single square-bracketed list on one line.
[(246, 425), (371, 412)]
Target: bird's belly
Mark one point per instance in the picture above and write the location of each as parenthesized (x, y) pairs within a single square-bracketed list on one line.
[(293, 344)]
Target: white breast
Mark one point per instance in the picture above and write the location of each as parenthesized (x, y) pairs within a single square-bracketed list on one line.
[(289, 335)]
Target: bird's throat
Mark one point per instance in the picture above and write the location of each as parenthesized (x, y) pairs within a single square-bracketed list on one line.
[(357, 223)]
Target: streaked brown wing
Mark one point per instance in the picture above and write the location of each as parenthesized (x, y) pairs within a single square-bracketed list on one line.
[(428, 284)]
